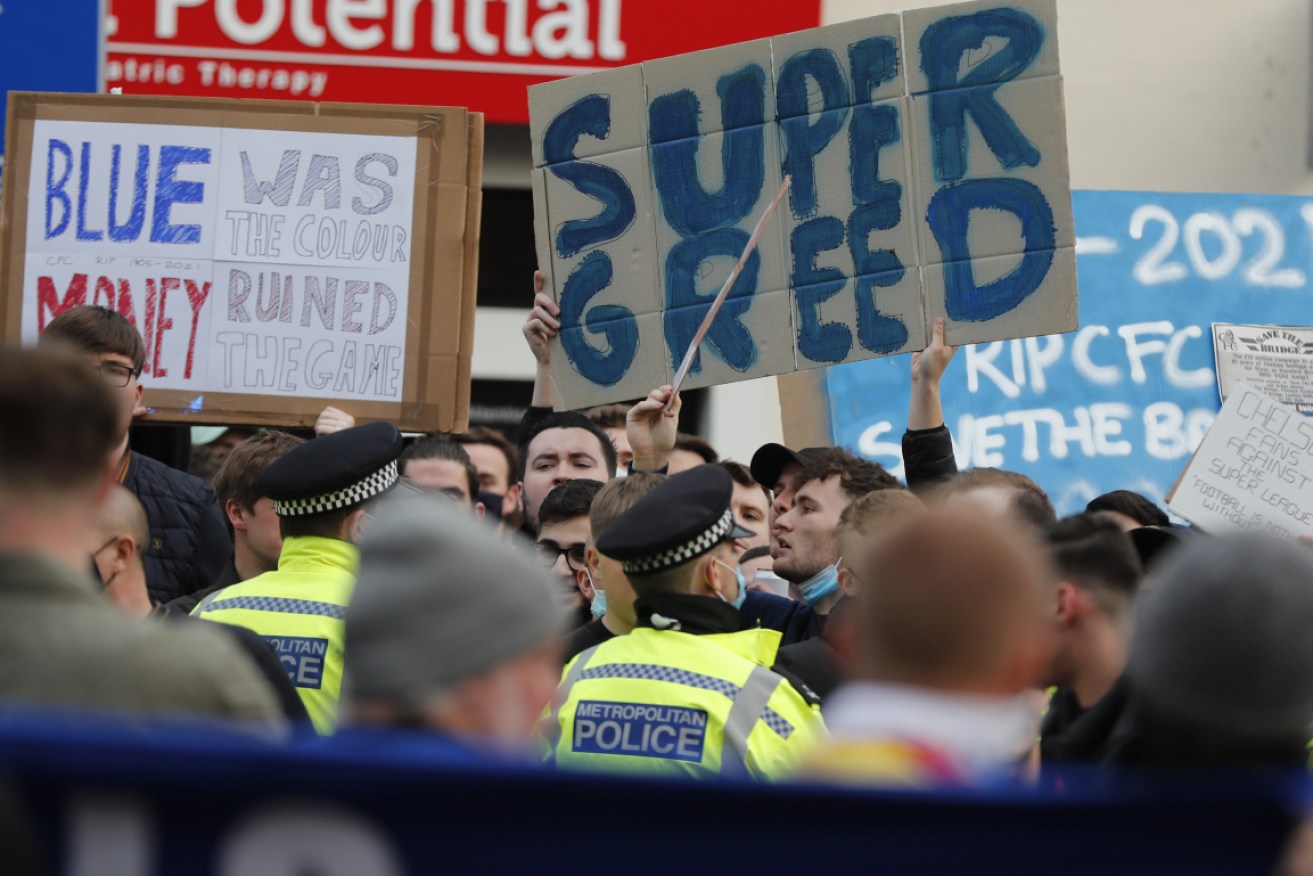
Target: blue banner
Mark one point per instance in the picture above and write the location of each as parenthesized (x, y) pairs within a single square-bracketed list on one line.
[(48, 45), (97, 797), (1122, 402)]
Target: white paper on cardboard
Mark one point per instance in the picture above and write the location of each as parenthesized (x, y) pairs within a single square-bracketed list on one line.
[(1253, 469)]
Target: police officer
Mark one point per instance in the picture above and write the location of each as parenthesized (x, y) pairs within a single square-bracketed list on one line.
[(685, 693), (319, 491)]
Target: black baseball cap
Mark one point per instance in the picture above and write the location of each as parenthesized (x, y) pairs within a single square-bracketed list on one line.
[(770, 459)]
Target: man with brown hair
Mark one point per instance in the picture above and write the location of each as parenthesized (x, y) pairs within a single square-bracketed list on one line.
[(63, 643), (804, 540), (436, 463), (823, 661), (189, 544), (250, 516), (952, 634), (497, 461), (603, 580), (690, 451)]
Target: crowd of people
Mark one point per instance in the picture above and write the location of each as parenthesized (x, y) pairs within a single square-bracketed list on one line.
[(601, 592)]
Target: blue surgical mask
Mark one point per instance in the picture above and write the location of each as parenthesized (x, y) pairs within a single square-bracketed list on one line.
[(743, 585), (824, 583), (598, 605)]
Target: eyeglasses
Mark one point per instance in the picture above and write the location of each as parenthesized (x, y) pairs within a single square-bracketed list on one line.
[(546, 552), (117, 375)]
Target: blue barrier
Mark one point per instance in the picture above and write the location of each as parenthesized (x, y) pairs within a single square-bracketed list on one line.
[(179, 799), (1121, 403)]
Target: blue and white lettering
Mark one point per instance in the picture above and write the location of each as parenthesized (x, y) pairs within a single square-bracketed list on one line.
[(639, 730)]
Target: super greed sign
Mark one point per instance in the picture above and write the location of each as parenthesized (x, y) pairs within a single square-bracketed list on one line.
[(1124, 401), (251, 261), (934, 187)]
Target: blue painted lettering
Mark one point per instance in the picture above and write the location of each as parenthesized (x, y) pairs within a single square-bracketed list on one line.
[(170, 190), (131, 230), (589, 115), (590, 277), (804, 138), (685, 308), (942, 46), (874, 268), (819, 342), (55, 188), (949, 216), (673, 124)]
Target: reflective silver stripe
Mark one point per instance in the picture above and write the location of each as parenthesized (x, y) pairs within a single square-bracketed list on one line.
[(551, 725), (205, 604), (748, 706)]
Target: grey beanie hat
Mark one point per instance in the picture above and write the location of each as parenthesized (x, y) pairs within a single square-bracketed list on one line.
[(1222, 638), (439, 599)]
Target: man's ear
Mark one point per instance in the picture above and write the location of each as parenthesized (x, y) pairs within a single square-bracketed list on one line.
[(479, 510), (1067, 597), (585, 586), (124, 549), (234, 510), (351, 526), (709, 576), (514, 498), (847, 582)]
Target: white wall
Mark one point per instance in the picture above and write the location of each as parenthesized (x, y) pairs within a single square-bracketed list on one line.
[(1177, 95)]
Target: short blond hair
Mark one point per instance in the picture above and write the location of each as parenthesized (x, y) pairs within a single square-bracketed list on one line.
[(866, 515)]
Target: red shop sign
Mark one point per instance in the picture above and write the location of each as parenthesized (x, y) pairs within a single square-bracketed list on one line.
[(480, 54)]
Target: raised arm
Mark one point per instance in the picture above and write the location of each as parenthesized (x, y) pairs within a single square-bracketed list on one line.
[(651, 429), (542, 325)]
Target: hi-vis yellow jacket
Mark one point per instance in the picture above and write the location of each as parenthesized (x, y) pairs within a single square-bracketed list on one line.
[(661, 702), (300, 608)]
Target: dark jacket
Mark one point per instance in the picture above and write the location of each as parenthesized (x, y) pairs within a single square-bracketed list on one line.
[(815, 661), (592, 633), (189, 543), (184, 604), (1097, 735), (928, 457), (795, 620)]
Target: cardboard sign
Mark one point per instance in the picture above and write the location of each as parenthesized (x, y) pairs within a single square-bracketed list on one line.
[(275, 257), (1253, 470), (1275, 359), (928, 159)]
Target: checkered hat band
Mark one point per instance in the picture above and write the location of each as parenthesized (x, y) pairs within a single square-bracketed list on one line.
[(358, 492), (681, 554)]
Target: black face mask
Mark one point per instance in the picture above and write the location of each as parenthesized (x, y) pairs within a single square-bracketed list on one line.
[(492, 504)]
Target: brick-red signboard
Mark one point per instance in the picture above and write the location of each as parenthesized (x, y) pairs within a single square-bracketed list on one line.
[(480, 54)]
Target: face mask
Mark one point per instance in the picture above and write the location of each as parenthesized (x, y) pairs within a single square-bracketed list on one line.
[(743, 586), (598, 605), (492, 504), (822, 584)]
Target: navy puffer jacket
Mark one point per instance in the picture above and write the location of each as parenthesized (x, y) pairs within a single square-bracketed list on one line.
[(189, 544)]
